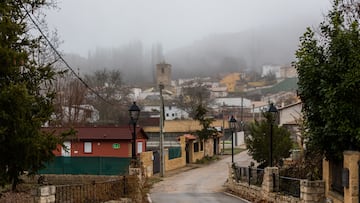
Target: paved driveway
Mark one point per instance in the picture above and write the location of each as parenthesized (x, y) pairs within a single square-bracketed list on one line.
[(204, 184)]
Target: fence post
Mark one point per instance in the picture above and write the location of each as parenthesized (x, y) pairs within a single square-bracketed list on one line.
[(312, 191), (270, 183), (45, 194), (124, 185), (249, 175)]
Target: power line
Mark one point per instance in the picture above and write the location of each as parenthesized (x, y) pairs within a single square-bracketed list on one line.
[(60, 56)]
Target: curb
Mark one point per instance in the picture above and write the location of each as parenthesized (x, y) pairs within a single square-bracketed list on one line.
[(242, 199)]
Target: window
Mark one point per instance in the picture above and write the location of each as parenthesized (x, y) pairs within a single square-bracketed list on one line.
[(201, 146), (196, 147), (162, 70), (167, 114), (66, 150), (173, 115), (87, 147)]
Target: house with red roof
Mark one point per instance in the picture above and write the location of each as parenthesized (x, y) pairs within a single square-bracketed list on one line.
[(101, 141), (96, 150)]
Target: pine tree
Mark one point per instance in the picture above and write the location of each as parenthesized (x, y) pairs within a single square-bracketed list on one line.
[(258, 141), (25, 96)]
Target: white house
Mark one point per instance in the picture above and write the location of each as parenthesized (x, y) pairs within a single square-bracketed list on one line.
[(266, 69), (171, 112), (289, 117), (80, 113), (233, 102)]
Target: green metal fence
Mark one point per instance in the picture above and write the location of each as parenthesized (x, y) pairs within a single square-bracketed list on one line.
[(174, 152), (88, 165)]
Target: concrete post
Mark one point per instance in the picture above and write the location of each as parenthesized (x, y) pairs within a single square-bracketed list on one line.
[(45, 194), (271, 179), (312, 191), (351, 193)]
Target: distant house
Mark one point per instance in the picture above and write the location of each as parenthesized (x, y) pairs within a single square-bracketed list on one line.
[(79, 114), (267, 69), (289, 117), (216, 92), (288, 72), (230, 81), (101, 142), (171, 112), (175, 128), (95, 150)]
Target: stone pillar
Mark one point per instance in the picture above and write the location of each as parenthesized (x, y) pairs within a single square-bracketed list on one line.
[(136, 171), (271, 174), (45, 194), (312, 191), (351, 193), (231, 173), (326, 176)]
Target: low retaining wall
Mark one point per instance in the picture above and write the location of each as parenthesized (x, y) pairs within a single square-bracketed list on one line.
[(310, 191), (50, 179)]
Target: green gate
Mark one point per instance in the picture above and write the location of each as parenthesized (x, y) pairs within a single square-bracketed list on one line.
[(87, 165)]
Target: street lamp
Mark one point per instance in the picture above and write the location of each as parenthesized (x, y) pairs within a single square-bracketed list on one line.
[(273, 111), (232, 124), (134, 112)]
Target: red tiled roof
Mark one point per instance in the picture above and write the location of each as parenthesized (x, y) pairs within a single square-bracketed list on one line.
[(101, 133), (190, 137)]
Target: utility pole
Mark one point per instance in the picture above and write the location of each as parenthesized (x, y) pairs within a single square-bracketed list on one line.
[(162, 161), (223, 127)]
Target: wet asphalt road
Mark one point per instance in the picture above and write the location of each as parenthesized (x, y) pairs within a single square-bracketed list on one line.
[(204, 184)]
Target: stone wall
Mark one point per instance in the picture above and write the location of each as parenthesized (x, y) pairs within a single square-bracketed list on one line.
[(351, 162), (351, 193), (45, 194), (54, 179), (197, 156), (146, 158), (209, 147), (177, 162), (311, 191)]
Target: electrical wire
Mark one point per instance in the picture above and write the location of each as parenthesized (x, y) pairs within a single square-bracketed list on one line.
[(60, 56)]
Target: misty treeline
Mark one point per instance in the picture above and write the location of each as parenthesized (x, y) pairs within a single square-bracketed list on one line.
[(103, 99), (229, 52)]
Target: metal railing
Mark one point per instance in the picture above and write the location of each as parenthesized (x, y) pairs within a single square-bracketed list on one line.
[(92, 192), (289, 186), (253, 176)]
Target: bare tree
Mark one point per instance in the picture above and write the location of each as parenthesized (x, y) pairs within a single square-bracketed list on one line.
[(70, 96), (193, 95), (114, 102)]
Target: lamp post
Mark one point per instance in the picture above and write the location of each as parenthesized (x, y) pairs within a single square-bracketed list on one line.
[(134, 112), (232, 124), (273, 110)]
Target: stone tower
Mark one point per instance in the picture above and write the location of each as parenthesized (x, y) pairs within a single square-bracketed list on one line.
[(163, 74)]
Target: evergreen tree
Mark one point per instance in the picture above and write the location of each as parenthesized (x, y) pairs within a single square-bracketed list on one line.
[(328, 64), (258, 142), (207, 131), (25, 96)]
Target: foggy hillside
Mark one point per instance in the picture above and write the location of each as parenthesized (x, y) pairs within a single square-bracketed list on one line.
[(237, 51), (206, 57)]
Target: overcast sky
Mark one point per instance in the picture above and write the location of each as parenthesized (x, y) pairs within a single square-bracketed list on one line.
[(85, 24)]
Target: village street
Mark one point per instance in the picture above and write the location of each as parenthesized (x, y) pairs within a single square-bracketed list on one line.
[(204, 184)]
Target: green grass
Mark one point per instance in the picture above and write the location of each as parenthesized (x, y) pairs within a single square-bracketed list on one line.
[(207, 160), (227, 151)]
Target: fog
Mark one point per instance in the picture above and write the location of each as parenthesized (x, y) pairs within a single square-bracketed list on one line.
[(133, 35)]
